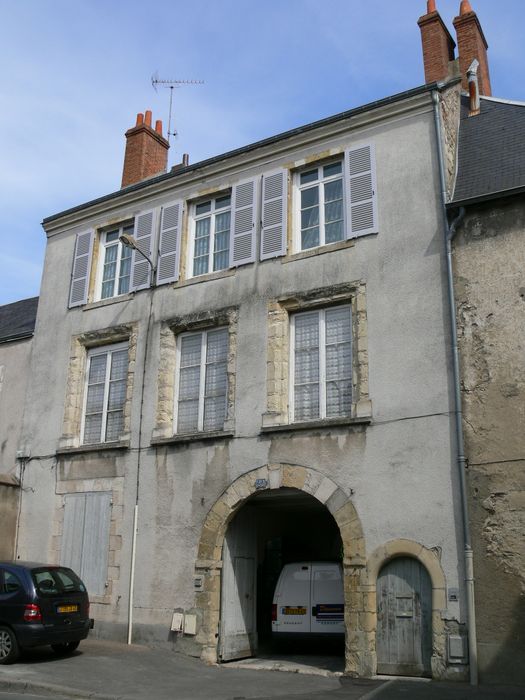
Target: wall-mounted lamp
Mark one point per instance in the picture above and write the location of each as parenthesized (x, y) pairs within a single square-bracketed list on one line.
[(131, 242)]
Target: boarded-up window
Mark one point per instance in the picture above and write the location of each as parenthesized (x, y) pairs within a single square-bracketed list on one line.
[(85, 538)]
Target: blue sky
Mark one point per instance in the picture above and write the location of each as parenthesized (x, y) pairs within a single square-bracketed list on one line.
[(74, 74)]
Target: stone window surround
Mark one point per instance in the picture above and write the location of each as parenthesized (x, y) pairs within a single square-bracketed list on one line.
[(74, 401), (278, 352), (170, 330)]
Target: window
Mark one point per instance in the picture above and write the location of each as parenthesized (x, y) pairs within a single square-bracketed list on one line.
[(211, 239), (321, 205), (321, 364), (105, 393), (115, 263), (202, 381), (85, 540)]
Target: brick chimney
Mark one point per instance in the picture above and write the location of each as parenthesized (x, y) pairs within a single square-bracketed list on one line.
[(438, 45), (146, 151), (472, 45)]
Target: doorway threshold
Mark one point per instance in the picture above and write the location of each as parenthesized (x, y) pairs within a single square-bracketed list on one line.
[(327, 666)]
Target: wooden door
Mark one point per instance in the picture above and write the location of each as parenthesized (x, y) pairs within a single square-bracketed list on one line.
[(238, 633), (404, 619)]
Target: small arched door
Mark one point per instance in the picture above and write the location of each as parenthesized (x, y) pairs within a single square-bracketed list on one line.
[(404, 618)]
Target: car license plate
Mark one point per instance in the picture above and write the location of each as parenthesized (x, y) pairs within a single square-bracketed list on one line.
[(67, 608)]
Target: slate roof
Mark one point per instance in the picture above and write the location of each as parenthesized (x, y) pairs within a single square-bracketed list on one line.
[(491, 155), (17, 320)]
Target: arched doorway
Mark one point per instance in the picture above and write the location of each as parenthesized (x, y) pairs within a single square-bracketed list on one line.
[(359, 654), (404, 618)]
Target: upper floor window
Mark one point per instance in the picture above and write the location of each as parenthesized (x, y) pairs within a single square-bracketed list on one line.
[(115, 263), (321, 363), (202, 385), (211, 235), (105, 393), (321, 205)]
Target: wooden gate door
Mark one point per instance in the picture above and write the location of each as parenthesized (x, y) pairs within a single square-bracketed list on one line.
[(404, 619), (238, 633)]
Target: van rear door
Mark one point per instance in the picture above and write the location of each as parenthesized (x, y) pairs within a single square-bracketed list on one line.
[(327, 613), (292, 598)]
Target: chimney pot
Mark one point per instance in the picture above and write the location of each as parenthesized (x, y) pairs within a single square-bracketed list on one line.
[(431, 6), (185, 159), (146, 151), (465, 7)]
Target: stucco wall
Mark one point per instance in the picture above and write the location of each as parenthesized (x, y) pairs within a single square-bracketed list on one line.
[(14, 374), (399, 468), (489, 258)]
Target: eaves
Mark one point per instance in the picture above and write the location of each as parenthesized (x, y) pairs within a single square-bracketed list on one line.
[(260, 151), (490, 196)]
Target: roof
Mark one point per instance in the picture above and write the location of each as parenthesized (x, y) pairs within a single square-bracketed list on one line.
[(17, 320), (258, 144), (491, 151)]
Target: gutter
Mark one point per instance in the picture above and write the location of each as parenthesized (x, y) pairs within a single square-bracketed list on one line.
[(450, 231), (16, 336)]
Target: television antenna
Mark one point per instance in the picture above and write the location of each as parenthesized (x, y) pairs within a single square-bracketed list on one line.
[(171, 84)]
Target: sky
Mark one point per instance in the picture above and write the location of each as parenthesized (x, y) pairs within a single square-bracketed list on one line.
[(75, 73)]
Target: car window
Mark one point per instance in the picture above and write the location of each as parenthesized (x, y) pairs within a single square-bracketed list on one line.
[(50, 581), (11, 582)]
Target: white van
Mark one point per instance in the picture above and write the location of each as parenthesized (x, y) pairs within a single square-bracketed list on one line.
[(309, 599)]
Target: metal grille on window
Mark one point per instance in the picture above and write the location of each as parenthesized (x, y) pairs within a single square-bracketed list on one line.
[(203, 381)]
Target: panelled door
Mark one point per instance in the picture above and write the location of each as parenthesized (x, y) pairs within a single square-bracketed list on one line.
[(404, 619), (238, 634)]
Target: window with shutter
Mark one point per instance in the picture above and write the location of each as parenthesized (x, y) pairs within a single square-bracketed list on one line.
[(320, 205), (361, 192), (210, 235), (143, 232), (202, 381), (321, 364), (274, 214), (85, 538), (78, 294), (242, 244), (169, 243)]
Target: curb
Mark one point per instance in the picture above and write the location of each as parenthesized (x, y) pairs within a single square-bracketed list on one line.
[(50, 688)]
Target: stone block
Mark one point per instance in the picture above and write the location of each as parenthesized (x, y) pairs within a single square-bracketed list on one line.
[(293, 477)]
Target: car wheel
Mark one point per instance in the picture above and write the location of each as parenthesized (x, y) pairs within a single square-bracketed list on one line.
[(9, 650), (65, 648)]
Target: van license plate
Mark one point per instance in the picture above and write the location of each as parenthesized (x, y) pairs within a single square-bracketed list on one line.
[(67, 608)]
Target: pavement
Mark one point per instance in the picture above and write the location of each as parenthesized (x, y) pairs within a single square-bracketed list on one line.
[(103, 670)]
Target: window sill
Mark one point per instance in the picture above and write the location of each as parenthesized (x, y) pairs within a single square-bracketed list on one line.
[(94, 447), (320, 250), (108, 302), (326, 424), (193, 437), (220, 274)]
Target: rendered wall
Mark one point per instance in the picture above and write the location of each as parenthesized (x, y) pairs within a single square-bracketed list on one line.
[(489, 260)]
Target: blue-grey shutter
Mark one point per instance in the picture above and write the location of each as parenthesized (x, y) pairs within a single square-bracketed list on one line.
[(78, 292), (85, 538), (242, 236), (361, 194), (73, 532), (274, 214), (169, 243), (95, 543), (143, 233)]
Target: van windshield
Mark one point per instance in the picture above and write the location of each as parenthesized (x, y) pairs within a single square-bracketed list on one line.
[(56, 580)]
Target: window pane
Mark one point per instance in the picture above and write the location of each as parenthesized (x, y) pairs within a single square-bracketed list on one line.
[(112, 236), (189, 383), (202, 208), (214, 413), (306, 366), (310, 238), (338, 361), (307, 330), (216, 380), (334, 232), (338, 398), (217, 349), (309, 197), (92, 428), (190, 349), (188, 415), (114, 425), (306, 402), (222, 222), (200, 266), (310, 176), (97, 369), (333, 191), (222, 202), (95, 398), (119, 364), (117, 395), (202, 228), (309, 218), (332, 169), (107, 290), (111, 254), (338, 325)]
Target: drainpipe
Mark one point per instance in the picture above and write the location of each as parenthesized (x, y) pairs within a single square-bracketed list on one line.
[(450, 232)]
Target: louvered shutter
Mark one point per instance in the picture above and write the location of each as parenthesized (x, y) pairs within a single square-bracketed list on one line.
[(143, 233), (274, 214), (361, 193), (78, 293), (95, 543), (73, 532), (169, 243), (242, 236)]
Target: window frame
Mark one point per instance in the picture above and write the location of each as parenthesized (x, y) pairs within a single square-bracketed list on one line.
[(320, 183), (204, 332), (103, 246), (322, 363), (91, 352), (212, 214)]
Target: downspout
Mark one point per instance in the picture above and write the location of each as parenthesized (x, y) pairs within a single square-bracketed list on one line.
[(450, 232)]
